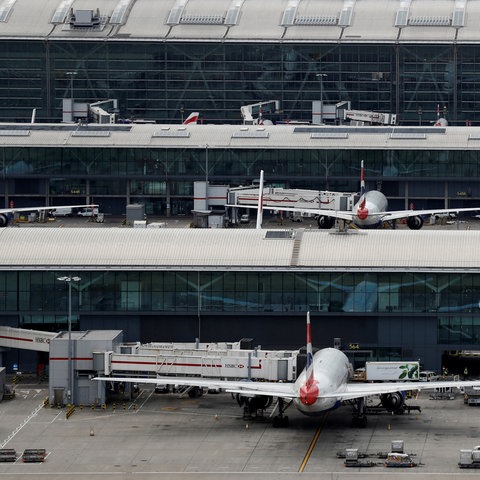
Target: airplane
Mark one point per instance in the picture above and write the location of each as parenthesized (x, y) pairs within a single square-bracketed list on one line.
[(320, 387), (369, 212), (6, 213), (192, 118)]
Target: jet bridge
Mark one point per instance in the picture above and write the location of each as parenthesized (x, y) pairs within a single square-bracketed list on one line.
[(205, 360), (224, 359), (280, 198), (76, 359), (25, 339)]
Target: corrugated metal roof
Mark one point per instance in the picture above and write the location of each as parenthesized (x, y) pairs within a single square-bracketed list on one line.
[(274, 137), (128, 247), (392, 250), (237, 249), (371, 21)]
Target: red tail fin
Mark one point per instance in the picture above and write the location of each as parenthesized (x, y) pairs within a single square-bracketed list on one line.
[(260, 202), (362, 185), (192, 118), (309, 390), (309, 366)]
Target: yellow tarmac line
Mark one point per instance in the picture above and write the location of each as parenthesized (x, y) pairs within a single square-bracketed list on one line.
[(312, 444)]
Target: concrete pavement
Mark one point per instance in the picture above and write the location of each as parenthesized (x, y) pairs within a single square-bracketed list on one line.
[(162, 436)]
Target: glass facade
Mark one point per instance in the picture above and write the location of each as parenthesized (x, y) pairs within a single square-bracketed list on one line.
[(452, 300), (163, 80), (157, 176), (158, 164)]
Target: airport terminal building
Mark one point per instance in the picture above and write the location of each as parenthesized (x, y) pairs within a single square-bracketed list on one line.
[(157, 165), (411, 297), (162, 60), (385, 294)]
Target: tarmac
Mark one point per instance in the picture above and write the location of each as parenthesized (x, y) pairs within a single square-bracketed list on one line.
[(165, 436), (270, 221)]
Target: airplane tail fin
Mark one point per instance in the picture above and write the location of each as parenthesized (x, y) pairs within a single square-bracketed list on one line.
[(309, 365), (192, 118), (362, 185), (260, 202)]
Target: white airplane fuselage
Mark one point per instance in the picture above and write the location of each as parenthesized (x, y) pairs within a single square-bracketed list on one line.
[(366, 215), (331, 371)]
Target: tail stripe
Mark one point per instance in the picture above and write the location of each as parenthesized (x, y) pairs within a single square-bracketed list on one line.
[(362, 186), (309, 372)]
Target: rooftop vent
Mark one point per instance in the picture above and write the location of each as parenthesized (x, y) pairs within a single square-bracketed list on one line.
[(429, 21), (167, 133), (325, 20), (329, 135), (202, 19), (84, 18), (14, 133), (91, 133), (250, 134), (279, 234), (408, 136)]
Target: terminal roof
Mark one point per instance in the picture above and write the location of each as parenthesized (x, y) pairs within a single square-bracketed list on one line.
[(339, 21), (48, 248), (237, 136)]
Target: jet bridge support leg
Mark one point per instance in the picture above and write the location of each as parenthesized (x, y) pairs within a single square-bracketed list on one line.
[(359, 413)]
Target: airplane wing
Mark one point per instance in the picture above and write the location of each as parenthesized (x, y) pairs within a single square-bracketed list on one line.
[(358, 390), (386, 216), (37, 209), (245, 387), (349, 391), (349, 216)]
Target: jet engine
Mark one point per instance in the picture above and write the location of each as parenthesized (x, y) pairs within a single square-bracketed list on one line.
[(415, 223), (3, 220), (325, 222), (393, 402), (252, 404)]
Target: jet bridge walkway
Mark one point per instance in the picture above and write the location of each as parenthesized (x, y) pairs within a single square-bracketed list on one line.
[(217, 360), (25, 339)]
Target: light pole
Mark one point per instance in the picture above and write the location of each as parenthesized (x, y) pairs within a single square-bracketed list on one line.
[(420, 112), (69, 281), (206, 166), (71, 75), (321, 76)]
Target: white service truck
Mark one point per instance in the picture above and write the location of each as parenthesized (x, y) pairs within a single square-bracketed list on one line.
[(392, 371)]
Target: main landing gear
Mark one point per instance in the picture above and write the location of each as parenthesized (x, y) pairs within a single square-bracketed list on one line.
[(359, 419), (281, 420)]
